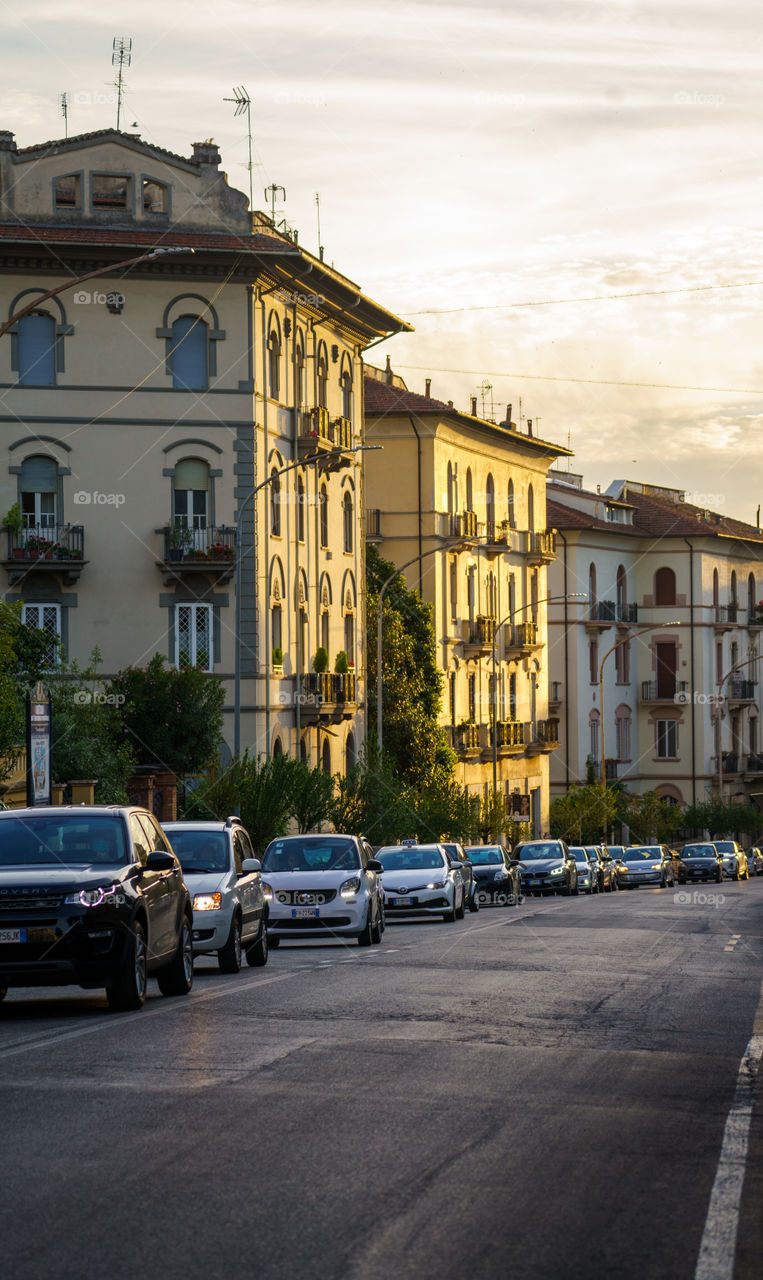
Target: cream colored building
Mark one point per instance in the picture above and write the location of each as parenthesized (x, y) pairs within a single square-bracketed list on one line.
[(464, 500), (142, 409)]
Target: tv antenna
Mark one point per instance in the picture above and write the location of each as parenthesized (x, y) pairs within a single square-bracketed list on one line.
[(272, 198), (63, 104), (486, 391), (121, 57), (244, 104), (318, 212)]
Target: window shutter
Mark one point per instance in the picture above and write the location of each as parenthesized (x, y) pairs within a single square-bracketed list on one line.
[(188, 354), (37, 350)]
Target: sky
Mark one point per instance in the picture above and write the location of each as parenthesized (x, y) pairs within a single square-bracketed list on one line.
[(494, 174)]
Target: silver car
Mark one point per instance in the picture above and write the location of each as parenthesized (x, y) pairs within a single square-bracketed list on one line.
[(323, 886), (223, 878), (420, 880)]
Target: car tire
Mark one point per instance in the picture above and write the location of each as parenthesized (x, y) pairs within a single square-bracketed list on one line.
[(474, 902), (462, 909), (129, 989), (377, 930), (365, 937), (257, 951), (229, 957), (450, 917), (176, 978), (3, 991)]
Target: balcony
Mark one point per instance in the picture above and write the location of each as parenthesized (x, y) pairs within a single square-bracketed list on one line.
[(58, 549), (466, 739), (373, 525), (653, 691), (741, 691), (543, 736), (754, 764), (755, 616), (497, 537), (478, 636), (541, 547), (192, 551), (726, 616), (520, 640), (460, 529), (509, 737), (319, 433), (730, 762), (555, 695), (327, 697), (626, 614)]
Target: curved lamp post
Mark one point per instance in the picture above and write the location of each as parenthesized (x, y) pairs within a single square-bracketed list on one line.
[(655, 626)]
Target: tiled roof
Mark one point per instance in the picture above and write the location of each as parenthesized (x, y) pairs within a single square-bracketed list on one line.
[(560, 516), (133, 236), (41, 148), (654, 517)]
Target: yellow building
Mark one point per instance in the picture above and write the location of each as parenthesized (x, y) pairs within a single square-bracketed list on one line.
[(146, 415), (463, 500)]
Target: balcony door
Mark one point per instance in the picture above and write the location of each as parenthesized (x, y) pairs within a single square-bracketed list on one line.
[(667, 666), (190, 501)]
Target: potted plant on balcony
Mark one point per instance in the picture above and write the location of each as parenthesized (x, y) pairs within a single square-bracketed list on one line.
[(320, 661), (179, 539), (277, 661), (39, 547), (14, 522), (341, 663)]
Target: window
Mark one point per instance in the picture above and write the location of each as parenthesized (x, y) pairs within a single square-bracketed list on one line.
[(323, 378), (275, 503), (623, 662), (276, 628), (534, 596), (751, 597), (592, 585), (300, 509), (623, 735), (325, 629), (299, 373), (349, 637), (347, 515), (469, 490), (324, 517), (470, 592), (277, 748), (47, 618), (68, 191), (453, 589), (472, 688), (667, 739), (193, 636), (190, 501), (666, 656), (111, 191), (593, 661), (513, 696), (664, 586), (531, 509), (452, 696), (326, 756), (303, 750), (718, 661), (593, 729), (350, 754), (733, 591), (490, 507), (346, 396), (155, 196), (512, 518), (39, 483), (716, 592), (189, 354), (621, 593), (36, 337), (274, 364), (450, 497)]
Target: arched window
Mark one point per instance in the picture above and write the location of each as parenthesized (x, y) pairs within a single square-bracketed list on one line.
[(347, 395), (277, 748), (593, 729), (303, 750), (592, 586), (275, 503), (300, 509), (189, 354), (36, 338), (534, 595), (621, 593), (469, 490), (323, 379), (733, 590), (190, 502), (349, 637), (623, 732), (39, 486), (531, 509), (451, 507), (490, 508), (751, 601), (347, 521), (716, 589), (276, 633), (665, 586), (324, 516), (274, 364), (350, 753), (299, 372), (512, 511), (326, 756)]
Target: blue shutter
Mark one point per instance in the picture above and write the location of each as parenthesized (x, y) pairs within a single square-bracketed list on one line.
[(37, 351), (188, 354)]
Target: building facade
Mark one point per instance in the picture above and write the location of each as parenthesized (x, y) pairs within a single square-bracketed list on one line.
[(463, 501), (655, 675), (181, 423)]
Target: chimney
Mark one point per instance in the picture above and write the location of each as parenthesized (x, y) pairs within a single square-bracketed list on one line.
[(388, 372), (450, 404), (474, 406), (529, 426), (206, 153), (7, 141), (428, 391)]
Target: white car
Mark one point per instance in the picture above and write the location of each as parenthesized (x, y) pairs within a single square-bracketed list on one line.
[(323, 886), (421, 880), (223, 878)]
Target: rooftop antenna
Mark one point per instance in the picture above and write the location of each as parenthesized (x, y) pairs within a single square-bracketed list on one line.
[(318, 211), (63, 104), (244, 104), (121, 58), (485, 388), (273, 197)]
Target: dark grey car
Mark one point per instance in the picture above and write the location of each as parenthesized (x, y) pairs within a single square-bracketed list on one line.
[(496, 875), (546, 866)]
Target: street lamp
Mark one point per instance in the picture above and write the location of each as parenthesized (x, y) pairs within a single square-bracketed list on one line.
[(530, 604), (157, 252), (655, 626), (274, 475)]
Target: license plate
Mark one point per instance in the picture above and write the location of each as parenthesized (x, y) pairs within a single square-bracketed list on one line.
[(12, 935), (303, 913), (401, 902)]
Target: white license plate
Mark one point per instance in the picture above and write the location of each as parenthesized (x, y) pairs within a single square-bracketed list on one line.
[(401, 902), (304, 913), (12, 935)]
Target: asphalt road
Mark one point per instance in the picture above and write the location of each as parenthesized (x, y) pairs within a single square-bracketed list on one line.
[(538, 1091)]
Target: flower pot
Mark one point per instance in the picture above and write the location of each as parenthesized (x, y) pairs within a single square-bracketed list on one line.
[(175, 553)]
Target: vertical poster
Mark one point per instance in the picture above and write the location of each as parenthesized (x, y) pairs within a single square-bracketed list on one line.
[(38, 779), (520, 807)]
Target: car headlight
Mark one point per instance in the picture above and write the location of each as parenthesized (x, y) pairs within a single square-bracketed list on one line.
[(437, 884), (207, 902), (350, 887), (656, 866), (585, 878), (558, 871), (267, 891), (92, 897)]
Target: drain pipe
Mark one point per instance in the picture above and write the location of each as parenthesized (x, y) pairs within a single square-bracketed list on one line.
[(693, 702), (566, 672)]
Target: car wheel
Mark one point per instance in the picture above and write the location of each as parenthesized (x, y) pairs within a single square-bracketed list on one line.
[(366, 935), (176, 978), (450, 917), (257, 952), (474, 904), (461, 910), (273, 942), (3, 991), (736, 874), (129, 990), (229, 956), (377, 930)]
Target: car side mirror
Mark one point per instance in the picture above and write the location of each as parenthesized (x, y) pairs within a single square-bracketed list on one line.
[(160, 860), (251, 864), (514, 862), (373, 864), (455, 865)]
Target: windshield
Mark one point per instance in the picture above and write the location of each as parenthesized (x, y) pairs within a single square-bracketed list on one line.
[(421, 858), (67, 840), (578, 854), (698, 851), (200, 851), (540, 849), (482, 855), (726, 846), (301, 853), (641, 855), (616, 850)]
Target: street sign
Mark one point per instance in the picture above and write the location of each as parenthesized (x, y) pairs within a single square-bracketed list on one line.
[(38, 719)]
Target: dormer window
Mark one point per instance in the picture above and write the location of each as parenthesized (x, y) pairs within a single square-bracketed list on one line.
[(68, 191), (111, 191), (155, 196)]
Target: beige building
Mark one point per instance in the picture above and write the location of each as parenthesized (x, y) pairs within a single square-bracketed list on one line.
[(146, 415), (464, 500)]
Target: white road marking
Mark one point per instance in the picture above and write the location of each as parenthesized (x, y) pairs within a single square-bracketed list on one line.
[(716, 1254)]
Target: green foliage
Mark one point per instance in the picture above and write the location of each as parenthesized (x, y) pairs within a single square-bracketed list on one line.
[(309, 793), (321, 660), (170, 717), (256, 789), (13, 518), (82, 742), (411, 679), (722, 817), (651, 818), (277, 657), (23, 654), (584, 814), (341, 663)]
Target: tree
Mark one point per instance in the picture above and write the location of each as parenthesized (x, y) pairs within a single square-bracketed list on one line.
[(257, 789), (24, 654), (309, 793), (652, 818), (171, 718), (82, 741), (584, 814), (722, 816)]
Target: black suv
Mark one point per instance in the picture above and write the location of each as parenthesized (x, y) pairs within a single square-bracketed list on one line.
[(93, 896)]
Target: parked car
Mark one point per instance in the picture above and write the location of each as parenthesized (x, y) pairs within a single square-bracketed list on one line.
[(646, 864), (546, 866), (734, 859), (496, 874), (223, 877), (702, 862), (588, 868), (455, 850), (92, 896), (322, 886), (755, 861), (615, 852), (679, 868), (607, 873), (421, 880)]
